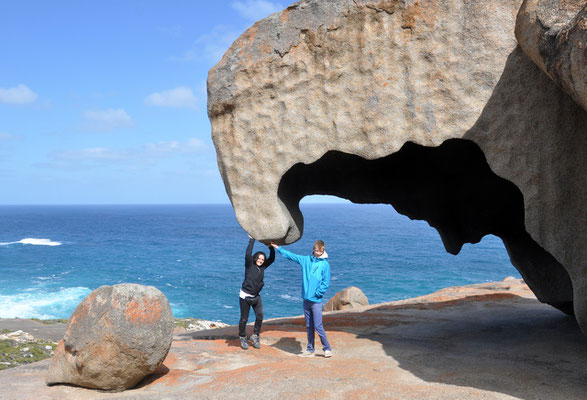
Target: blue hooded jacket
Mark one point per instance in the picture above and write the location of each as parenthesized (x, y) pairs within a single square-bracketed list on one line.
[(315, 274)]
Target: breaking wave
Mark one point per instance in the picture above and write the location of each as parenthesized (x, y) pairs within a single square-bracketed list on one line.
[(35, 242), (42, 304), (290, 298)]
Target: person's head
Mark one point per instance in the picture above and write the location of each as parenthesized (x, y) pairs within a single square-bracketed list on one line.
[(319, 248), (259, 258)]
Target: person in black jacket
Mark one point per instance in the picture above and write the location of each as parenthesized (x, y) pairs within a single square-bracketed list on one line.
[(249, 296)]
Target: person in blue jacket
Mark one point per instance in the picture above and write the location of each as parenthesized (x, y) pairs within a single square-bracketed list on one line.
[(315, 281)]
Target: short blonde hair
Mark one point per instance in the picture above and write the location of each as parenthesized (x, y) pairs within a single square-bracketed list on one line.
[(319, 244)]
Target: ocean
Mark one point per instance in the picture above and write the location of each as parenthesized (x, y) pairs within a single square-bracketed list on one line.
[(51, 257)]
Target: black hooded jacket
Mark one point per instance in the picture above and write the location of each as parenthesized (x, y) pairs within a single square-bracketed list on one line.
[(254, 274)]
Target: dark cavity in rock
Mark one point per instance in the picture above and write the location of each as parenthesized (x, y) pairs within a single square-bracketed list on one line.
[(452, 188)]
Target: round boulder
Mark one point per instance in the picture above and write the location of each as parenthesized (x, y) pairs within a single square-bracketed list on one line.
[(115, 337), (350, 297)]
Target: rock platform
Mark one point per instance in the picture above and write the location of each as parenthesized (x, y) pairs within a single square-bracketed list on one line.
[(484, 341)]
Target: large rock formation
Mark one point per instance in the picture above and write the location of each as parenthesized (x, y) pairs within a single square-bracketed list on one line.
[(429, 106), (116, 336), (553, 33), (351, 297)]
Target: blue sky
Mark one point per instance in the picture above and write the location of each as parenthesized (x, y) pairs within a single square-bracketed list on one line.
[(104, 102)]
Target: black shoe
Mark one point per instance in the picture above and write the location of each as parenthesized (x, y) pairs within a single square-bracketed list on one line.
[(255, 339), (244, 344)]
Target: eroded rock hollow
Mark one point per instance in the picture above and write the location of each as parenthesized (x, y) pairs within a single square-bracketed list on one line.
[(431, 106)]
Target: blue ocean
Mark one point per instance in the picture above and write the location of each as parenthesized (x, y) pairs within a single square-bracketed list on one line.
[(51, 257)]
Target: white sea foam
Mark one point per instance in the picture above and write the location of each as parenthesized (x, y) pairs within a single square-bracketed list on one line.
[(291, 298), (34, 241), (41, 303), (225, 306)]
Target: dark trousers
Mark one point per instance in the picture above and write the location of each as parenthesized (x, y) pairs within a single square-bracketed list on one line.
[(246, 304)]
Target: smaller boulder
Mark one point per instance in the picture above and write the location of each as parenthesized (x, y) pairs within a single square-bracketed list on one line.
[(348, 298), (115, 337)]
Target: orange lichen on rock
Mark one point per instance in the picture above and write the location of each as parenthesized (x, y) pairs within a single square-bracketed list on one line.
[(421, 10), (265, 48), (172, 377), (283, 15), (146, 310), (81, 311)]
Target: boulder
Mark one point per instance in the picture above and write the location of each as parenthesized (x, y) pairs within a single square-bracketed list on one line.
[(428, 106), (351, 297), (553, 33), (115, 337)]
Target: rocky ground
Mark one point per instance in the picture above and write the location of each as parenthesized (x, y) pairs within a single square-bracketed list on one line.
[(24, 341), (485, 341)]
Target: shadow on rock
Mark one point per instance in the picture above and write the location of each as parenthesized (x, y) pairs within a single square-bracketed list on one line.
[(526, 107), (153, 377), (512, 354), (231, 342), (288, 345)]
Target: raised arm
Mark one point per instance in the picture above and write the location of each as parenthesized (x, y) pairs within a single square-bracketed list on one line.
[(271, 258), (248, 254), (291, 256)]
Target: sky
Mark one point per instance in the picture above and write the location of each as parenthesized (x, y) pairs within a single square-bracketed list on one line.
[(104, 102)]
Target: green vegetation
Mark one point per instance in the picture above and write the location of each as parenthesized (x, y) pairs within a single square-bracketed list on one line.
[(202, 323), (51, 321), (13, 354), (185, 322)]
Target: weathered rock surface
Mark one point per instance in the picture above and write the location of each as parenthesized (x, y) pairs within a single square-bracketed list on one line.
[(115, 337), (553, 33), (473, 342), (351, 297), (429, 106)]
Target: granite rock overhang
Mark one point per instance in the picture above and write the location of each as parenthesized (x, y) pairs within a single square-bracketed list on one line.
[(327, 85)]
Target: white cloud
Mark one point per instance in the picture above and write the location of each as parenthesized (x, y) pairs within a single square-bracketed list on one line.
[(95, 154), (143, 155), (212, 45), (180, 97), (256, 9), (17, 95), (106, 120), (164, 148)]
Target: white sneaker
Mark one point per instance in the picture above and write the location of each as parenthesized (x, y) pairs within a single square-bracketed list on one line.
[(306, 353), (327, 353)]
